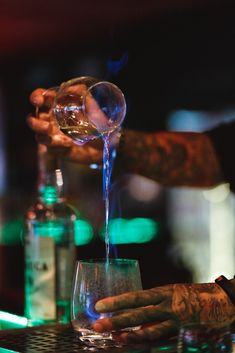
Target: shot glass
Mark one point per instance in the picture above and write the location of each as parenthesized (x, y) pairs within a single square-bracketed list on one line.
[(94, 280), (204, 338)]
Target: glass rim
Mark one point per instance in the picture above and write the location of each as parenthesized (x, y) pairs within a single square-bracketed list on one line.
[(110, 84), (102, 260)]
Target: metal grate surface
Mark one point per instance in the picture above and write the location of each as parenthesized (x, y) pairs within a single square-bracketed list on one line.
[(56, 338), (60, 338), (63, 339)]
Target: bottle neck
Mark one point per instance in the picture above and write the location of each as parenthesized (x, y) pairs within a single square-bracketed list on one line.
[(50, 179)]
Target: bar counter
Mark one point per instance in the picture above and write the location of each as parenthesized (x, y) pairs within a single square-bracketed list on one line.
[(62, 338)]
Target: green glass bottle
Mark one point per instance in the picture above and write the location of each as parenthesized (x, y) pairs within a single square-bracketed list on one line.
[(50, 251)]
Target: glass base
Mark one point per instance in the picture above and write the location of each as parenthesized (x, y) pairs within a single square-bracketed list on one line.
[(98, 340), (101, 340)]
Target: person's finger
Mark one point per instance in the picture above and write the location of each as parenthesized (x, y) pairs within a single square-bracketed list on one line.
[(36, 97), (38, 125), (44, 116), (132, 300), (87, 154), (53, 140), (60, 139), (132, 318), (150, 332), (43, 139)]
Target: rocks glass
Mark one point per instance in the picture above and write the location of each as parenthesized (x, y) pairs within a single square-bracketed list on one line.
[(94, 280)]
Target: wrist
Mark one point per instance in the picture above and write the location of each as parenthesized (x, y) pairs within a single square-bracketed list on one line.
[(228, 286)]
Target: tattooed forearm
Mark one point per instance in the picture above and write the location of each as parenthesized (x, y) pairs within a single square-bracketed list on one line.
[(202, 303), (171, 158)]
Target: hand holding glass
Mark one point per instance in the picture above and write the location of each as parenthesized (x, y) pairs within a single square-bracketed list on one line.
[(94, 280)]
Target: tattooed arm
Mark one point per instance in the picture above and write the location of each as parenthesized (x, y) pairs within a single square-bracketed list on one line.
[(160, 311), (171, 158)]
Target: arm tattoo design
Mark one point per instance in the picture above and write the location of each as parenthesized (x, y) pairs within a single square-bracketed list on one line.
[(202, 303), (171, 158)]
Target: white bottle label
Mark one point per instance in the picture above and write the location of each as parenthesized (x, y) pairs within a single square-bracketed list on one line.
[(41, 292), (65, 264)]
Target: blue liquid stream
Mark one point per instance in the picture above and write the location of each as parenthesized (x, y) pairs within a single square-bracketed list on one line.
[(108, 157)]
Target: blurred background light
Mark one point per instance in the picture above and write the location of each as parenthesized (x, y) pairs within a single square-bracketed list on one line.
[(130, 231), (143, 189), (83, 232), (197, 120), (202, 220), (11, 232), (8, 319), (94, 166), (221, 233), (217, 194)]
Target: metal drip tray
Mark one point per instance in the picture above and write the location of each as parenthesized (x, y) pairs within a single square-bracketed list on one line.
[(58, 338), (62, 338)]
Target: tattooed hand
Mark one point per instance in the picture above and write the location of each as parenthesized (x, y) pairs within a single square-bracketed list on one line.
[(160, 311)]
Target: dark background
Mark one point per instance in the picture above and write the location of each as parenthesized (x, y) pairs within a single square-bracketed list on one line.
[(164, 55)]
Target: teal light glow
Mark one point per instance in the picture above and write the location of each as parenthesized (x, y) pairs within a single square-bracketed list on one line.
[(11, 232), (169, 348), (49, 195), (83, 232), (195, 349), (129, 231), (8, 320), (54, 229)]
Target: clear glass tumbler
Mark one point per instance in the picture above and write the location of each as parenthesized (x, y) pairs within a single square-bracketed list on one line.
[(204, 338), (94, 280), (86, 108)]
